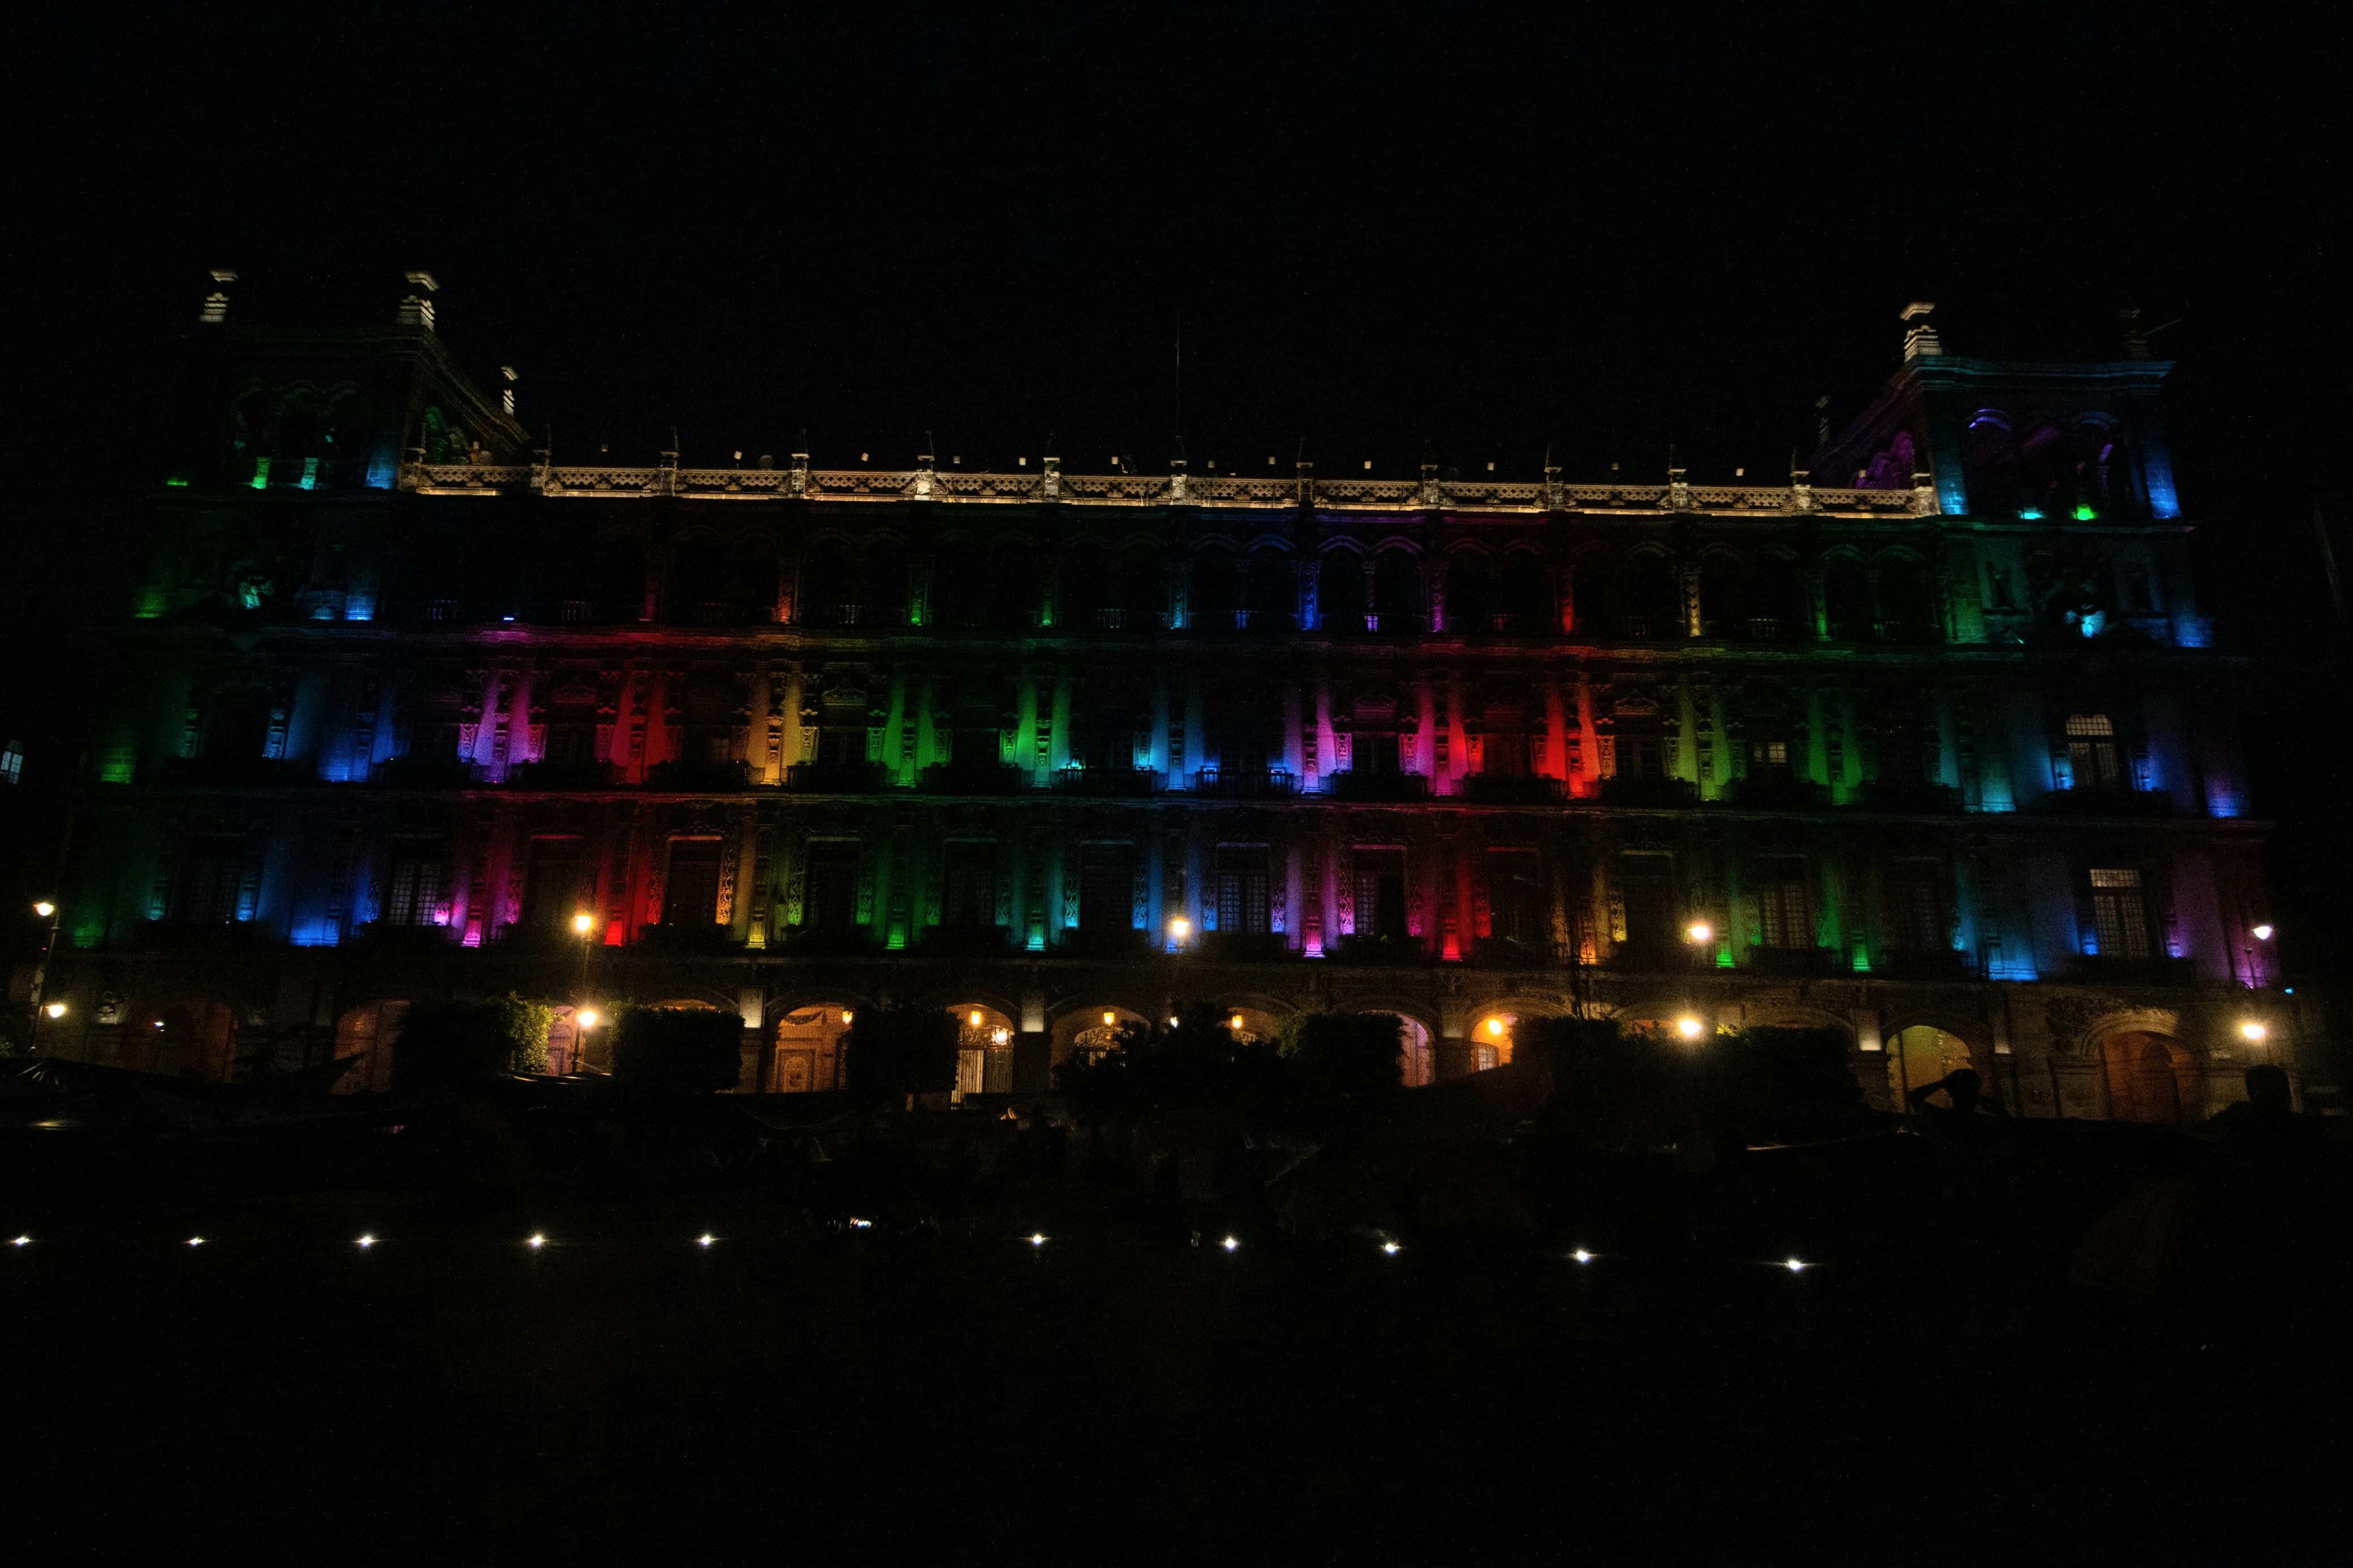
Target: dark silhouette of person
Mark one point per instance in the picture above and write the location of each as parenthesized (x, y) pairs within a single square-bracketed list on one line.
[(1964, 1088), (2267, 1113)]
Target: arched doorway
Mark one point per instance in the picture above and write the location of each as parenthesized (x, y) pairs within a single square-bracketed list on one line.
[(185, 1037), (2152, 1079), (1088, 1032), (1417, 1063), (1490, 1040), (1923, 1054), (984, 1050), (367, 1032), (810, 1049)]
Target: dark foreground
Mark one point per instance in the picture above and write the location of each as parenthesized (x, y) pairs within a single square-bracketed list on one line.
[(623, 1394)]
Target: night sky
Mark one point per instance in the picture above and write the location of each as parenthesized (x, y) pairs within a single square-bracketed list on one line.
[(1380, 226)]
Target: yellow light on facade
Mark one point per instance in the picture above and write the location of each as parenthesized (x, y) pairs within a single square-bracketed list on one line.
[(2253, 1032), (45, 909), (583, 922), (847, 1014), (1699, 931), (586, 1017), (55, 1009), (973, 1018), (1110, 1018), (1235, 1023), (1689, 1027), (1181, 927)]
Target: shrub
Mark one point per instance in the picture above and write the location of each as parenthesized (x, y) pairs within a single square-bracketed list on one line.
[(677, 1050), (445, 1045), (1346, 1056)]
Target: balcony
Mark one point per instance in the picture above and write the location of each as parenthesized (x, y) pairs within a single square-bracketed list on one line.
[(835, 778), (1106, 781), (1387, 951), (1378, 622), (1245, 783), (1795, 962), (204, 936), (1651, 792), (1777, 792), (1356, 784), (687, 937), (2109, 802), (1923, 963), (1244, 947), (1917, 799), (974, 778), (423, 772), (2175, 973), (382, 936), (964, 942), (1649, 628), (1105, 941), (698, 778), (844, 940), (561, 775), (234, 773), (1492, 789)]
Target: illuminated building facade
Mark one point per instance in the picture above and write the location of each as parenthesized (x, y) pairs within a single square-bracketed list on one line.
[(1929, 744)]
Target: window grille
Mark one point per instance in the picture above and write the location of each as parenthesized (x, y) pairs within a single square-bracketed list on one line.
[(2092, 751), (2119, 916)]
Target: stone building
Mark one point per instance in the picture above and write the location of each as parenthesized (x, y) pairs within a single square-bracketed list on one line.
[(1927, 744)]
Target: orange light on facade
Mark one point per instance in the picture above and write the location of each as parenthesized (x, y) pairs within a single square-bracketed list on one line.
[(1110, 1018), (1496, 1027), (847, 1014), (1235, 1023)]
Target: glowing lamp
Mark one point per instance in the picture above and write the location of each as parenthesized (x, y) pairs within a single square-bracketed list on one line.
[(1391, 1248), (1110, 1018), (1689, 1027), (1495, 1027), (1699, 931), (1794, 1266), (998, 1036), (2253, 1032), (535, 1241), (706, 1239), (364, 1242), (586, 1017), (2261, 932), (1172, 1020), (973, 1018), (1235, 1023), (1582, 1255), (1037, 1238), (1180, 929), (55, 1009), (21, 1241), (583, 922), (44, 909), (847, 1014), (1230, 1243), (196, 1241)]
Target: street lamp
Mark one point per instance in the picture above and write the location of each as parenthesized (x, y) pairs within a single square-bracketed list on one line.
[(47, 910), (1689, 1027), (1180, 929), (1699, 931), (2253, 1032), (55, 1009), (44, 909)]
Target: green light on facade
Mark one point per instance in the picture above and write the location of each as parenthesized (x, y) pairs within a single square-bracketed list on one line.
[(176, 484), (1724, 958), (2083, 515), (261, 473), (1862, 962), (151, 603), (898, 940)]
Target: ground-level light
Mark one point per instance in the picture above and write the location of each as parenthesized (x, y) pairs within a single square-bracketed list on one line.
[(847, 1014), (1391, 1248), (1037, 1238), (21, 1241), (196, 1241), (1110, 1018), (1795, 1265), (1180, 929), (706, 1239)]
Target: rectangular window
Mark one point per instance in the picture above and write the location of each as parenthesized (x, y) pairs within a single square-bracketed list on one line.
[(1647, 883), (1916, 907), (1769, 756), (1380, 894), (2092, 751), (691, 893), (969, 887), (1784, 918), (1999, 593), (413, 891), (2118, 916), (1505, 754), (2137, 595), (841, 744), (1640, 757), (1106, 887), (210, 870), (1242, 886), (571, 742), (1515, 904), (551, 884), (833, 902)]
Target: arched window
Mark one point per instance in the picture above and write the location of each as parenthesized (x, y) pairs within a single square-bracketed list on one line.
[(1143, 587), (1777, 600), (617, 588), (1087, 586), (884, 582), (1216, 590), (1846, 594), (1654, 600), (1592, 607), (2046, 487), (1470, 594), (828, 594), (1274, 591), (750, 587), (1397, 591), (1341, 599), (1989, 463), (1524, 594), (1723, 607), (1906, 608), (960, 586), (698, 584), (1013, 587)]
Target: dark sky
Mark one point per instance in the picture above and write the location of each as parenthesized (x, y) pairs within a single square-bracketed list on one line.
[(1485, 228)]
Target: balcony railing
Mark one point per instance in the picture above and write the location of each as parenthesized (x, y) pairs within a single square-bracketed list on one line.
[(1245, 783), (2180, 973), (1923, 963), (1359, 784), (1888, 794), (234, 773), (1777, 791), (1657, 792), (835, 778), (692, 776), (1792, 960), (2109, 802), (561, 775), (974, 778), (1491, 789), (1244, 946), (1106, 781), (425, 773), (1390, 950)]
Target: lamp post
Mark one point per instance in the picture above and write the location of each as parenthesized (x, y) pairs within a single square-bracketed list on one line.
[(2261, 932), (48, 911), (583, 926)]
